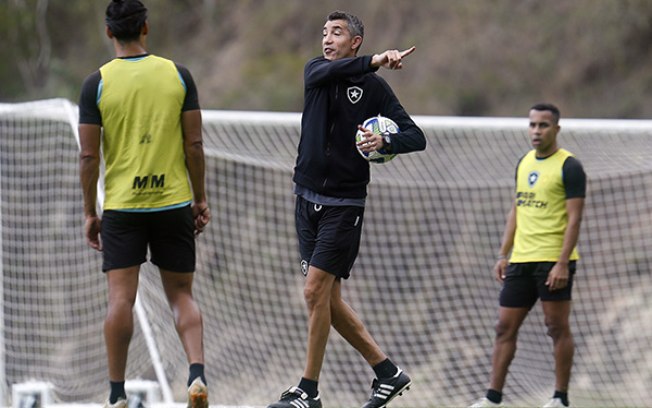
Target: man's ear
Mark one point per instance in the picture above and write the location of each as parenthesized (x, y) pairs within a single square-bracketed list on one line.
[(356, 43), (145, 29), (109, 33)]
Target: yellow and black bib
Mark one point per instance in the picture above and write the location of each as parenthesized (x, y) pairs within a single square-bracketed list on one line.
[(140, 103), (541, 217)]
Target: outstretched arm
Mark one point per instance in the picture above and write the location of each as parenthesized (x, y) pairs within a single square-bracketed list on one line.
[(391, 59), (410, 138)]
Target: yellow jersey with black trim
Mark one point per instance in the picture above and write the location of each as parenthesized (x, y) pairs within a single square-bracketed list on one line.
[(540, 202), (142, 143)]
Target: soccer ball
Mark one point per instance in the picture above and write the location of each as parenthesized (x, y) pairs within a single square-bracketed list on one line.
[(378, 125)]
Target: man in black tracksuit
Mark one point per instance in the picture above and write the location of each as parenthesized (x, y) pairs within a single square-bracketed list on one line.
[(328, 162), (331, 177)]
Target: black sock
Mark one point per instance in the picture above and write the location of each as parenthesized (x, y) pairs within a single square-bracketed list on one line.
[(309, 387), (117, 391), (563, 396), (196, 370), (494, 396), (385, 369)]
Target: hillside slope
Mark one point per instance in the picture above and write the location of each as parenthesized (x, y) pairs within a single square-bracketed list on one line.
[(473, 58)]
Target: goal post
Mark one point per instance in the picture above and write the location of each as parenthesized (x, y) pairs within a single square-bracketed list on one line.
[(422, 282)]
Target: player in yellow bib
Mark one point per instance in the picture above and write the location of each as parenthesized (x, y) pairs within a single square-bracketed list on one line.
[(142, 112), (541, 233)]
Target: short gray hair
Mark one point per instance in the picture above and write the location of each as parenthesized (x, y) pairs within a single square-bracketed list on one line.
[(355, 24)]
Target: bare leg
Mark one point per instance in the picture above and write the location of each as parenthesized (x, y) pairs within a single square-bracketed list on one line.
[(350, 327), (557, 320), (187, 316), (317, 294), (119, 321), (509, 321)]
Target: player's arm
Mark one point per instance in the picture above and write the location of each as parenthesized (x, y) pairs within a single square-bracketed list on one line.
[(506, 245), (558, 276), (574, 208), (89, 172), (90, 133), (575, 186), (193, 146)]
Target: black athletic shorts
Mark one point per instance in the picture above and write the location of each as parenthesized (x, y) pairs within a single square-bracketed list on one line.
[(329, 236), (526, 282), (169, 235)]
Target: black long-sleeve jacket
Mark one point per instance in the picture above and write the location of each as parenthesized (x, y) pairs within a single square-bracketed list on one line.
[(338, 96)]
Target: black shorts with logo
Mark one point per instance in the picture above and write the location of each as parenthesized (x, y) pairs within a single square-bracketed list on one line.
[(169, 235), (526, 282), (329, 236)]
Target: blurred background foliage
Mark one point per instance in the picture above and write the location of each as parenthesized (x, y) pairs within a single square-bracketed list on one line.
[(473, 58)]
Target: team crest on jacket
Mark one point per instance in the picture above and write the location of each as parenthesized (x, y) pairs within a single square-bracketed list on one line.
[(354, 93), (532, 178)]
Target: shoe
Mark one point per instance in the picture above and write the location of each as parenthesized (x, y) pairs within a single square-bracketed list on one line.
[(197, 394), (386, 389), (485, 403), (121, 403), (554, 403), (295, 397)]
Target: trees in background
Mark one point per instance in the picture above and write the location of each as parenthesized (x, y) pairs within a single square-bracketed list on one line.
[(473, 58)]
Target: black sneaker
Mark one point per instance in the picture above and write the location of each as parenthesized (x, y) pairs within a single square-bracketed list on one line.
[(386, 389), (295, 397)]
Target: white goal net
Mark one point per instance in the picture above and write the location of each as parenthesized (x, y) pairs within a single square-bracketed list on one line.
[(429, 299)]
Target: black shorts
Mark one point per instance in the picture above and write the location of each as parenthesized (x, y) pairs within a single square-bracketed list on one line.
[(329, 236), (169, 235), (526, 282)]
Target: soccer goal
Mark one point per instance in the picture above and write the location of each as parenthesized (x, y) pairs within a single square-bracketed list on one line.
[(422, 283)]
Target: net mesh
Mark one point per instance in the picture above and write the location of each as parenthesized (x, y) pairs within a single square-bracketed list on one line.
[(422, 282)]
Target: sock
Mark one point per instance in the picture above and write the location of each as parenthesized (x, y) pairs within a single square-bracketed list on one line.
[(309, 387), (385, 369), (117, 391), (494, 396), (196, 370), (563, 396)]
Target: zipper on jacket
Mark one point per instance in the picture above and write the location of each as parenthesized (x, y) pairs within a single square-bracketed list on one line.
[(327, 151), (332, 128)]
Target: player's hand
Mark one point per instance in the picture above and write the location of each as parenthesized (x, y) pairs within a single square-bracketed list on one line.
[(201, 215), (370, 141), (558, 277), (500, 268), (92, 229), (391, 59)]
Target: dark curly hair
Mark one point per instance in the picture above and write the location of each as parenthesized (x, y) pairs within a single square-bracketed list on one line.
[(548, 107), (126, 18)]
